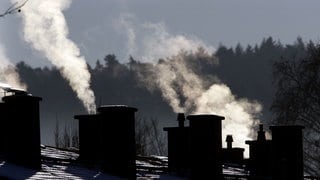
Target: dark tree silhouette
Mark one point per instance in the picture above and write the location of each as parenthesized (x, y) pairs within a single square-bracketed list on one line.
[(297, 101), (14, 8), (150, 138)]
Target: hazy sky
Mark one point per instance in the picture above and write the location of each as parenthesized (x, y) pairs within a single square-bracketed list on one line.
[(100, 27)]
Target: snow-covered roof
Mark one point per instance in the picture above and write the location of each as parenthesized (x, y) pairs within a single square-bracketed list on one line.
[(62, 164), (56, 164)]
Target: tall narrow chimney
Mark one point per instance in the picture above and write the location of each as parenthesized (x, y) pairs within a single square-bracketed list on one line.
[(23, 130), (89, 138), (261, 134), (205, 146), (229, 141), (260, 150), (181, 119)]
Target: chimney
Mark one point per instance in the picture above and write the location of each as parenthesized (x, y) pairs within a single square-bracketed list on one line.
[(229, 141), (181, 119), (22, 130), (178, 147), (3, 128), (205, 146), (232, 155), (261, 134), (287, 152), (260, 164), (89, 138), (108, 139)]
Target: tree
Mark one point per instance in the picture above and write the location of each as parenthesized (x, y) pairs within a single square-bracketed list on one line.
[(149, 138), (67, 139), (14, 8), (297, 101), (57, 138)]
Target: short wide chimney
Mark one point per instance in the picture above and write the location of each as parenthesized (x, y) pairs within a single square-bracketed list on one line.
[(107, 139), (206, 146), (22, 130), (287, 152)]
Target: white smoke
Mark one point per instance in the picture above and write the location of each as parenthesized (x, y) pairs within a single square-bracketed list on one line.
[(183, 88), (8, 74), (149, 42), (125, 25), (160, 43), (240, 114), (186, 91), (46, 29)]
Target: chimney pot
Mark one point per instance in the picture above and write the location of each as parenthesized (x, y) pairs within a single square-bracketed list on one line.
[(181, 118), (261, 134), (229, 141)]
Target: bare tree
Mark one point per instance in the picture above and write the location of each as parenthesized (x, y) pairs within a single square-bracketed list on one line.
[(149, 138), (297, 101), (157, 139), (57, 134), (68, 139), (14, 8), (75, 138)]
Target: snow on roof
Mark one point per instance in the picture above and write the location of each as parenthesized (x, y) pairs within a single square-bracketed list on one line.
[(61, 164), (56, 164)]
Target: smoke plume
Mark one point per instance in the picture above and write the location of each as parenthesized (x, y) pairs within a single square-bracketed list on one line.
[(149, 42), (8, 74), (186, 91), (46, 29), (182, 86)]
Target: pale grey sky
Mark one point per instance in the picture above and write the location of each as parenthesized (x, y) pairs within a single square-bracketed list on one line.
[(95, 25)]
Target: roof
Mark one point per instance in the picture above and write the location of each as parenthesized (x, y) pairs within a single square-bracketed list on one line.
[(62, 164)]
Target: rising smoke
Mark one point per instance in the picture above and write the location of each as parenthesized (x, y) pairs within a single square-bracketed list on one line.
[(184, 89), (46, 29), (8, 75)]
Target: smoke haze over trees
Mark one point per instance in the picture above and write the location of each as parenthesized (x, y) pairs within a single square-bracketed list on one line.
[(246, 70)]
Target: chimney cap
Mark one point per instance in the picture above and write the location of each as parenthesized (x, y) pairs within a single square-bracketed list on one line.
[(91, 117), (229, 138), (180, 117), (204, 117), (289, 127), (20, 97), (115, 108)]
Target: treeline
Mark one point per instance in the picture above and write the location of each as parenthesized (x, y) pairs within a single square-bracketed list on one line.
[(246, 70)]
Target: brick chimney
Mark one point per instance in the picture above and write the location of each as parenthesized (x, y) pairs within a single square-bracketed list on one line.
[(205, 146), (22, 130)]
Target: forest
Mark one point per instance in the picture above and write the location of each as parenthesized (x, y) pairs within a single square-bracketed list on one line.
[(246, 70), (254, 72)]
